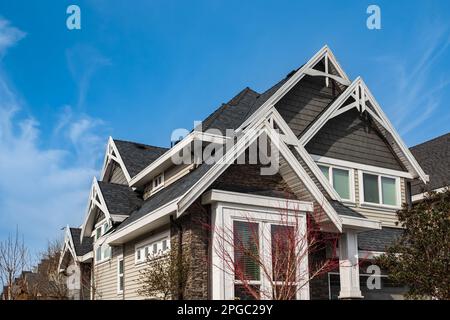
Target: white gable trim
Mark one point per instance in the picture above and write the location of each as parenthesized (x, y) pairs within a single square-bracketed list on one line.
[(360, 92), (305, 155), (197, 189), (112, 154), (68, 245), (92, 204), (326, 53)]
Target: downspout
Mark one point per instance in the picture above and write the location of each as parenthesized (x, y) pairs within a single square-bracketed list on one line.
[(179, 255)]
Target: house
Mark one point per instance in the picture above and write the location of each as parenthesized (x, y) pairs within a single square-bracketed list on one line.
[(323, 145), (433, 156)]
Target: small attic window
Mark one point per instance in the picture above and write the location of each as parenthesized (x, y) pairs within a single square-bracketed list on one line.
[(158, 182)]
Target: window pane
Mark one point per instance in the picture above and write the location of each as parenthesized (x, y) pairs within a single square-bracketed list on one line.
[(164, 245), (121, 283), (120, 266), (325, 171), (98, 255), (388, 191), (155, 248), (341, 183), (371, 188), (246, 255), (283, 253), (242, 292), (98, 232)]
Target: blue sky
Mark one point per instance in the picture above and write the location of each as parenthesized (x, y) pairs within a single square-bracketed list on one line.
[(138, 70)]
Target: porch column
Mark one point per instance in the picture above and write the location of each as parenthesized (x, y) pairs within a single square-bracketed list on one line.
[(348, 266)]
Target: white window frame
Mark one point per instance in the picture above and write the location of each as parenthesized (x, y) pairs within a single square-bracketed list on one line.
[(224, 216), (160, 185), (148, 243), (398, 191), (103, 247), (351, 177), (120, 275)]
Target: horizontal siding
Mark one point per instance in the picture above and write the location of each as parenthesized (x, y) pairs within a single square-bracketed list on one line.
[(304, 102), (132, 270), (118, 176), (105, 278), (387, 218), (348, 137)]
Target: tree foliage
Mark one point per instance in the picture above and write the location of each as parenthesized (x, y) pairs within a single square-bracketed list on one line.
[(165, 276), (420, 257)]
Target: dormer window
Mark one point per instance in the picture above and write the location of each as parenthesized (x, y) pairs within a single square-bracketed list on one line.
[(158, 182)]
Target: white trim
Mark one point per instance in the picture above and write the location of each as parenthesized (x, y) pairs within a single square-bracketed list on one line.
[(398, 191), (299, 74), (195, 135), (421, 196), (356, 223), (358, 86), (365, 167), (223, 215), (304, 154), (92, 203), (351, 177), (158, 237), (144, 221), (110, 149), (256, 200), (119, 275)]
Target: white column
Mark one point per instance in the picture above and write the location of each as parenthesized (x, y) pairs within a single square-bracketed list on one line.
[(348, 266)]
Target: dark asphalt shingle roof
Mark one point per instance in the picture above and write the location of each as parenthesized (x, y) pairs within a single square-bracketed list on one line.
[(378, 240), (167, 194), (120, 199), (434, 158), (137, 156), (80, 248), (344, 210)]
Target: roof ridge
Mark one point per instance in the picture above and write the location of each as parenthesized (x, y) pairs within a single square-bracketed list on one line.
[(139, 143), (431, 140)]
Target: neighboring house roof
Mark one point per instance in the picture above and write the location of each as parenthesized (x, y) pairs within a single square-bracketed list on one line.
[(120, 199), (378, 240), (434, 157), (81, 248), (137, 156)]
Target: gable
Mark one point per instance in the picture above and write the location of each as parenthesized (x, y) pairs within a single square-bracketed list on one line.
[(247, 178), (305, 102), (117, 175), (352, 137)]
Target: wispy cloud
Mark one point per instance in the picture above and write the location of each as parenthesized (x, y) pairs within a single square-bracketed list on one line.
[(43, 188), (418, 87), (83, 61)]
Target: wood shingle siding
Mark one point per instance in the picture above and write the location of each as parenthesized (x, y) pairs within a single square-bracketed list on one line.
[(348, 137)]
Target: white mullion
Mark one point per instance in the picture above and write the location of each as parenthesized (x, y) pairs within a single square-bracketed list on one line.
[(380, 192)]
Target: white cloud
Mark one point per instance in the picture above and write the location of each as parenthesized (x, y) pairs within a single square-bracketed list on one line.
[(43, 188)]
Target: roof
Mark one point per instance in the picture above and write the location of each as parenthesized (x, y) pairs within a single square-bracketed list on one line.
[(120, 199), (378, 240), (80, 248), (434, 157), (167, 194), (137, 156)]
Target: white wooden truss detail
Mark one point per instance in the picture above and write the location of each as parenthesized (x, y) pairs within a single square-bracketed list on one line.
[(112, 154)]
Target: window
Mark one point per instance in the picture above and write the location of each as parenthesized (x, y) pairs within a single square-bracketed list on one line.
[(101, 230), (153, 248), (249, 255), (340, 179), (158, 182), (119, 275), (102, 253), (379, 189)]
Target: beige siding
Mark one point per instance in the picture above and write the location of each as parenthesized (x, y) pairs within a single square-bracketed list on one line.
[(132, 270), (170, 176), (105, 278), (118, 176)]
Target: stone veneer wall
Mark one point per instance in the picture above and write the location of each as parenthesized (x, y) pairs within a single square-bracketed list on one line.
[(195, 242)]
